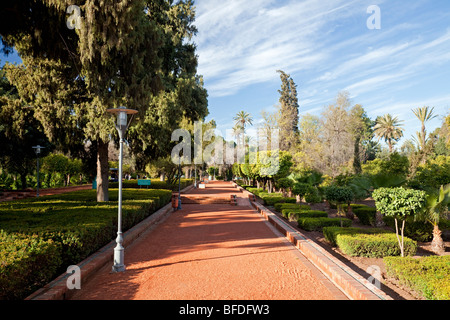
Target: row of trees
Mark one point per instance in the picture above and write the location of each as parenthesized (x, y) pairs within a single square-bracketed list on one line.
[(133, 53), (338, 156), (344, 140)]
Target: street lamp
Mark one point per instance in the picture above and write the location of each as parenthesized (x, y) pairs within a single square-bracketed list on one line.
[(121, 126), (37, 150)]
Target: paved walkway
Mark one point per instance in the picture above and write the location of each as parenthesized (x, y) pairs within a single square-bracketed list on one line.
[(212, 252)]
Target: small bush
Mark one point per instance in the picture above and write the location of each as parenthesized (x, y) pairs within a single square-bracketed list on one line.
[(271, 199), (316, 224), (374, 245), (280, 206), (366, 215), (331, 233), (285, 212), (307, 214), (255, 191), (429, 276)]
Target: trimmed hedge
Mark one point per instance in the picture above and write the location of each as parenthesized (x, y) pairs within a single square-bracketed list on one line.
[(307, 214), (429, 276), (273, 198), (366, 215), (331, 233), (280, 206), (45, 235), (317, 224), (27, 263), (287, 213), (374, 245)]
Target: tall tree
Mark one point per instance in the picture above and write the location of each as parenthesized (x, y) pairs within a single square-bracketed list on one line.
[(361, 129), (389, 129), (126, 53), (338, 144), (288, 112)]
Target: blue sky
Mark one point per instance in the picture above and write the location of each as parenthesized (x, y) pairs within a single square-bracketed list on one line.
[(326, 47)]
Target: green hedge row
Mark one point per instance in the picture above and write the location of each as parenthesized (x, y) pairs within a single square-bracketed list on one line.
[(289, 213), (331, 233), (317, 224), (374, 245), (27, 262), (306, 214), (45, 235), (281, 206), (371, 243), (273, 198), (429, 276)]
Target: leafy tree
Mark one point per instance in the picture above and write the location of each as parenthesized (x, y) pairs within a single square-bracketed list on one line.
[(285, 184), (139, 59), (339, 196), (302, 189), (361, 129), (389, 129), (19, 132), (337, 143), (399, 203)]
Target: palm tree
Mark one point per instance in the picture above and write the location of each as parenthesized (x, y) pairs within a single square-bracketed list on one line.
[(390, 129), (435, 210), (241, 119), (424, 114)]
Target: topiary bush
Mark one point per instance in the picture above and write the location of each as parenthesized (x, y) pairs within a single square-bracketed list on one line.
[(374, 245), (331, 233)]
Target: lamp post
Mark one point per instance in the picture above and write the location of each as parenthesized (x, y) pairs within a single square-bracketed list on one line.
[(37, 150), (121, 126)]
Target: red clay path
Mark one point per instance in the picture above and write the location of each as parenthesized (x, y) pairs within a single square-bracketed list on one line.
[(212, 252)]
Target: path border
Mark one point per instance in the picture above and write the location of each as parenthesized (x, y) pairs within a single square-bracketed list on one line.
[(57, 289), (351, 283)]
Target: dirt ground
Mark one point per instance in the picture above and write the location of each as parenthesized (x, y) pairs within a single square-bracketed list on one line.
[(360, 265)]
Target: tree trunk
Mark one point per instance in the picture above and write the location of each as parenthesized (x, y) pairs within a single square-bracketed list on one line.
[(23, 180), (437, 245), (349, 214), (379, 220), (102, 172)]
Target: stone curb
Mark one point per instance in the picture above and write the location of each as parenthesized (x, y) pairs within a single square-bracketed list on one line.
[(57, 289)]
